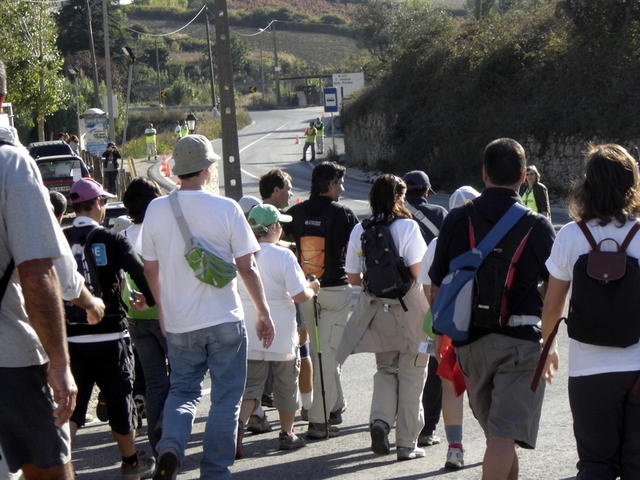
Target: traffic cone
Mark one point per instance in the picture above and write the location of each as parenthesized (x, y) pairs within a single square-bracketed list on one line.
[(165, 168), (322, 115), (297, 142)]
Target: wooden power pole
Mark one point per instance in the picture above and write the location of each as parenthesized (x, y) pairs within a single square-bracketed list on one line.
[(230, 149)]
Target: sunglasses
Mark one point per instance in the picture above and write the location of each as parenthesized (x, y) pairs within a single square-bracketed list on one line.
[(103, 200)]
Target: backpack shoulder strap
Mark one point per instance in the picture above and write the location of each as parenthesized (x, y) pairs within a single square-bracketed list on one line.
[(91, 262), (500, 229), (587, 233), (629, 237), (421, 217)]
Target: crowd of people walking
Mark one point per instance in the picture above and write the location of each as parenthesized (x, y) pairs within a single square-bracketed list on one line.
[(75, 304)]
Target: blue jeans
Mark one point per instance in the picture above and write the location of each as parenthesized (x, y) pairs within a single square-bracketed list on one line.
[(223, 350), (152, 352)]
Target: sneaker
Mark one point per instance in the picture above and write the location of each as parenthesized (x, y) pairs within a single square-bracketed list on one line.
[(267, 400), (380, 437), (335, 418), (455, 458), (409, 453), (167, 467), (319, 431), (428, 440), (240, 434), (290, 442), (143, 468), (258, 424), (101, 409), (303, 159), (304, 414)]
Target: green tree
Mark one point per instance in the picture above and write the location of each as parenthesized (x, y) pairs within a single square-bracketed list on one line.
[(28, 37)]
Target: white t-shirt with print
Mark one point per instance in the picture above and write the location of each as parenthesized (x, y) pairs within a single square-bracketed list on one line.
[(282, 279), (427, 261), (218, 223), (406, 236), (586, 359)]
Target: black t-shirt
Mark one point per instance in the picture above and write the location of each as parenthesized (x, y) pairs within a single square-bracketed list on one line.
[(435, 214), (525, 298), (336, 222), (115, 254)]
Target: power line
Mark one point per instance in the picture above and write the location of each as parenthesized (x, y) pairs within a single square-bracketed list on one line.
[(168, 33), (259, 32), (43, 2)]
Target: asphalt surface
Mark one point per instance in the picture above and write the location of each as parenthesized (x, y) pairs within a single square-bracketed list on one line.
[(269, 143)]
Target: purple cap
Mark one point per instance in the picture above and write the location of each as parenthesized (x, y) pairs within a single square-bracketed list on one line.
[(87, 189)]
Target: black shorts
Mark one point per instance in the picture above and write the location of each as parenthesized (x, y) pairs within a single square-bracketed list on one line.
[(27, 433), (110, 366)]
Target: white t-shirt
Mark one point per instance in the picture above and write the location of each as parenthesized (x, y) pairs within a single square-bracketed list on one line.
[(406, 236), (218, 223), (282, 278), (585, 359), (427, 261)]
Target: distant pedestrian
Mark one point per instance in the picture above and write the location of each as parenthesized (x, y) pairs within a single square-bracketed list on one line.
[(604, 380), (111, 160), (500, 355), (74, 143), (284, 283), (309, 142), (63, 136), (203, 323), (38, 392), (390, 328), (150, 140), (181, 129), (319, 126), (534, 194)]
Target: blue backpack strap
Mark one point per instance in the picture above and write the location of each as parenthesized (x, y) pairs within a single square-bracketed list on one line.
[(500, 229)]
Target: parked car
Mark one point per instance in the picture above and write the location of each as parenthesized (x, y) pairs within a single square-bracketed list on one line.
[(114, 210), (60, 171), (49, 149)]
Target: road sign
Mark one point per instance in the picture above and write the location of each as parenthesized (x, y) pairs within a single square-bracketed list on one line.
[(330, 99), (347, 83)]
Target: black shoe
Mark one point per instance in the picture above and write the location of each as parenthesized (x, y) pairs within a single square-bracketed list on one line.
[(101, 410), (267, 400), (335, 418), (167, 466), (380, 437)]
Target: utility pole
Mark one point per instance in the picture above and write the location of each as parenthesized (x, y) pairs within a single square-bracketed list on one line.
[(131, 58), (107, 65), (211, 79), (230, 149), (92, 48), (261, 71), (158, 73), (276, 66)]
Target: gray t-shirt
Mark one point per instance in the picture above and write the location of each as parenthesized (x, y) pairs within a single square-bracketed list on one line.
[(28, 231)]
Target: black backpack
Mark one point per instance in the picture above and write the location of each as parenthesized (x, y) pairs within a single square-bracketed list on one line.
[(494, 279), (605, 299), (385, 274), (79, 239)]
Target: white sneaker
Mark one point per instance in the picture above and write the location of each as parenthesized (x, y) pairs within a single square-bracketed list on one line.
[(455, 458)]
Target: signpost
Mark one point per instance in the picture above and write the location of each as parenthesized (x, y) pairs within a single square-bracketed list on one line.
[(347, 83), (331, 106)]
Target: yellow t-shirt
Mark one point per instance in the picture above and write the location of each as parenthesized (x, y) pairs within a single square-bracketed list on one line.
[(529, 200)]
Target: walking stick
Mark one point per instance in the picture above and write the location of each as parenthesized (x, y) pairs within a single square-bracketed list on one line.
[(319, 350)]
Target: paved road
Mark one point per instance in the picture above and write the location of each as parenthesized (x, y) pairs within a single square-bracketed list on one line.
[(269, 143)]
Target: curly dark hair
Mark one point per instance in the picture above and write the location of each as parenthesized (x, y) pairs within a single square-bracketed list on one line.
[(610, 188), (385, 197)]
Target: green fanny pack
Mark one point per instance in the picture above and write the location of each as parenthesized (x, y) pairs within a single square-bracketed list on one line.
[(208, 267)]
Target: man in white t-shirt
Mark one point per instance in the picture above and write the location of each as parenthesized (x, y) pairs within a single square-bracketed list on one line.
[(203, 324)]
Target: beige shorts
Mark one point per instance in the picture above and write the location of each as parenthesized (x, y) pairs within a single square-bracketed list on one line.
[(499, 370), (285, 382)]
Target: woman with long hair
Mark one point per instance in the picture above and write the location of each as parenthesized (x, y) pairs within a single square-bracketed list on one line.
[(534, 194), (604, 371), (390, 327)]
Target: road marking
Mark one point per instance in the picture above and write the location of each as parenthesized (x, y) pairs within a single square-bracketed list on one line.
[(253, 143)]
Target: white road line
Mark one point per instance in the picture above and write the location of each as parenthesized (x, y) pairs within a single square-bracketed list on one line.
[(253, 143)]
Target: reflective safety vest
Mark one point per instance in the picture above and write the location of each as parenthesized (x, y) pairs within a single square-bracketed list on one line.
[(150, 135), (310, 134)]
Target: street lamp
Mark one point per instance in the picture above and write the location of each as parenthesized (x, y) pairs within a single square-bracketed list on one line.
[(191, 122)]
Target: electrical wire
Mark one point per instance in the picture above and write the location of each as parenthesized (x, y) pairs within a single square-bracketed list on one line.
[(165, 34), (259, 32), (43, 2)]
